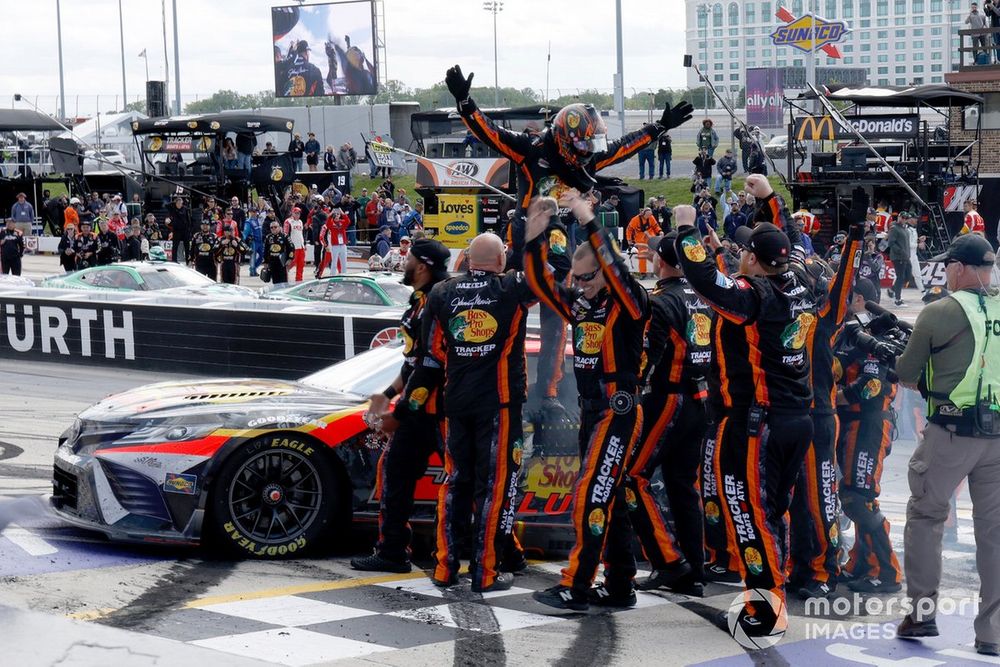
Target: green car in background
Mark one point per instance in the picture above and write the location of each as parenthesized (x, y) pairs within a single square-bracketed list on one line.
[(367, 288), (144, 277)]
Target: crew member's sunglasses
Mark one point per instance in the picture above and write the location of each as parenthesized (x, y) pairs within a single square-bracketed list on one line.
[(586, 277)]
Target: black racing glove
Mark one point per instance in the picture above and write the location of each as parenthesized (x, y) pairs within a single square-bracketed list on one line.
[(457, 84), (676, 116)]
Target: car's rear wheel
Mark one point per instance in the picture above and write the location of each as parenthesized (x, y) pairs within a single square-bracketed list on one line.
[(275, 497)]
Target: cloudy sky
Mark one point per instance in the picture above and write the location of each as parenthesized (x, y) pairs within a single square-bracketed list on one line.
[(227, 44)]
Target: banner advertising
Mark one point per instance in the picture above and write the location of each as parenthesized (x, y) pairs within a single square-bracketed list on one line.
[(886, 126), (324, 50), (457, 220), (765, 91), (459, 173)]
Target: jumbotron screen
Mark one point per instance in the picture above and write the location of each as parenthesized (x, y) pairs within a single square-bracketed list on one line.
[(324, 50)]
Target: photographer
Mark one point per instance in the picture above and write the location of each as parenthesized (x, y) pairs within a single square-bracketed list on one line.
[(864, 400), (953, 346)]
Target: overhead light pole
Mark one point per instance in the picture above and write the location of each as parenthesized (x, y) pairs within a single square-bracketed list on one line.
[(704, 9), (495, 7), (121, 37), (62, 88), (177, 66)]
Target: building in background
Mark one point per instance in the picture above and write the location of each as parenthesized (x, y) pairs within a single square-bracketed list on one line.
[(899, 42)]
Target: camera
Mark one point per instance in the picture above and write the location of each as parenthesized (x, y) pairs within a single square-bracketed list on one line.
[(883, 336)]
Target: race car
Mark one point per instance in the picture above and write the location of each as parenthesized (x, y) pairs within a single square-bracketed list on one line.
[(368, 288), (137, 276), (270, 468)]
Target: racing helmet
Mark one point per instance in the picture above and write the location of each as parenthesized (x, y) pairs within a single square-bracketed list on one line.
[(579, 132)]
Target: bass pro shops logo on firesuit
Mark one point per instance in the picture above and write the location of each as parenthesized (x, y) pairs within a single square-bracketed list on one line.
[(605, 482), (736, 498)]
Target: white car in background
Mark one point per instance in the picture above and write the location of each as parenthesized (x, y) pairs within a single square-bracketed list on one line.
[(99, 160)]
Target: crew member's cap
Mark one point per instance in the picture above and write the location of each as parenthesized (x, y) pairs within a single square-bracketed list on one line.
[(969, 249), (74, 200), (866, 288), (766, 241), (434, 254), (665, 249)]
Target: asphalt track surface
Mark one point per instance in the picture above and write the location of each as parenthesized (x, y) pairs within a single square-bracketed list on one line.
[(319, 611)]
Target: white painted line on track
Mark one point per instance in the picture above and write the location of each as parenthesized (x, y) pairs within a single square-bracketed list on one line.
[(25, 539)]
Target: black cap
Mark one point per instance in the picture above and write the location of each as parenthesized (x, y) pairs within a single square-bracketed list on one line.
[(766, 241), (969, 249), (665, 249), (865, 288), (434, 254)]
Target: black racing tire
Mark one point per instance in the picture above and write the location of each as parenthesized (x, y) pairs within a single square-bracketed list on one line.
[(278, 496)]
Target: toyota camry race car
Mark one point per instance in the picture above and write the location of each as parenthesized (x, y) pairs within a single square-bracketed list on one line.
[(271, 468)]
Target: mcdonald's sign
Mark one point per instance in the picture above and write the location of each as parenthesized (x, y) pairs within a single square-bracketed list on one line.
[(815, 128)]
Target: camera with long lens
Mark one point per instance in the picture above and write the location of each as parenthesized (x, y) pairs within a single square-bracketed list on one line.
[(879, 333)]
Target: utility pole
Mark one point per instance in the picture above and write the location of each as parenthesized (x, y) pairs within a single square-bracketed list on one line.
[(177, 66), (496, 7), (62, 88), (620, 75), (166, 58), (121, 37)]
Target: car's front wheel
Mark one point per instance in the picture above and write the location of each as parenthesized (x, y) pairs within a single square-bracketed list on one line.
[(275, 497)]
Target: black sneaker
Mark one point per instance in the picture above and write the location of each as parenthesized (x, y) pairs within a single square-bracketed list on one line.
[(445, 583), (562, 597), (815, 589), (987, 648), (665, 578), (688, 586), (874, 585), (504, 581), (601, 596), (376, 563), (910, 629), (514, 564), (720, 574), (899, 302)]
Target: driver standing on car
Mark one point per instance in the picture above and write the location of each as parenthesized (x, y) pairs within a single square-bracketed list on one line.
[(415, 422)]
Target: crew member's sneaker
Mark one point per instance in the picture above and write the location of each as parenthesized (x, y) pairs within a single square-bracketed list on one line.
[(514, 564), (504, 581), (987, 648), (562, 597), (688, 586), (874, 585), (720, 574), (376, 563), (899, 302), (601, 596), (815, 589), (666, 577), (910, 629), (445, 583)]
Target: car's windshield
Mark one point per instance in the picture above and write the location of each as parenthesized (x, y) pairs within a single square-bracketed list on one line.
[(363, 375), (174, 276), (397, 292)]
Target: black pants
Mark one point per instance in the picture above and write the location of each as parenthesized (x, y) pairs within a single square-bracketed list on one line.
[(206, 268), (815, 533), (551, 353), (229, 271), (400, 467), (671, 437), (865, 441), (11, 265), (180, 251), (482, 458), (600, 513), (904, 273), (756, 473), (317, 254), (279, 273)]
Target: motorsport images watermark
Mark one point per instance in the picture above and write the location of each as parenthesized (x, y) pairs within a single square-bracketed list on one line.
[(758, 618)]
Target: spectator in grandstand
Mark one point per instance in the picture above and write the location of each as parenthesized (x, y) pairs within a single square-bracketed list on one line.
[(707, 219), (22, 210), (735, 219), (977, 21), (312, 149), (329, 158), (347, 157), (708, 139), (703, 165), (726, 168), (991, 8), (296, 149), (664, 154)]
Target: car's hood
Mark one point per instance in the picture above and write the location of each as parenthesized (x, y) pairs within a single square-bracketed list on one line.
[(225, 398)]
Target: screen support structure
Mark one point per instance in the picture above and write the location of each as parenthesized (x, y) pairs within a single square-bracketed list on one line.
[(378, 21)]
